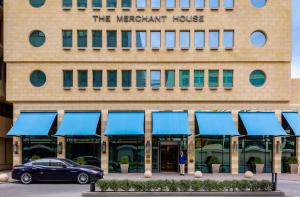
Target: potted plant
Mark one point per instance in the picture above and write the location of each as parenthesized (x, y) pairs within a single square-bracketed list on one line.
[(124, 161), (293, 164), (215, 164), (259, 165)]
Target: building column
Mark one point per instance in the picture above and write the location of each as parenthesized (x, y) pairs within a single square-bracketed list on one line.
[(17, 156), (104, 140), (276, 154), (234, 155), (148, 140), (298, 152), (61, 141), (191, 143)]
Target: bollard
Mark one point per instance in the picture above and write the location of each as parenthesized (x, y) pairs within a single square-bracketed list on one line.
[(274, 181), (93, 183)]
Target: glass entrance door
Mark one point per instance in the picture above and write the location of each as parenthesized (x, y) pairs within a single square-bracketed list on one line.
[(169, 157)]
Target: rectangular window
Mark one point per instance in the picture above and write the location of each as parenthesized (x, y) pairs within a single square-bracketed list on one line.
[(111, 3), (111, 39), (155, 39), (67, 38), (97, 78), (140, 4), (228, 39), (198, 78), (97, 3), (97, 39), (213, 78), (170, 39), (82, 78), (81, 3), (184, 39), (170, 78), (141, 39), (126, 78), (184, 4), (82, 38), (228, 4), (170, 4), (155, 78), (126, 39), (141, 76), (214, 39), (155, 4), (227, 78), (184, 78), (68, 78), (67, 3), (126, 3), (199, 39), (200, 4), (214, 4), (111, 78)]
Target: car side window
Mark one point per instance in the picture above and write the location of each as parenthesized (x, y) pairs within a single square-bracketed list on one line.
[(56, 163), (42, 162)]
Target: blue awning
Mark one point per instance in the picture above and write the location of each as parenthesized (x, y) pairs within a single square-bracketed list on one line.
[(261, 123), (33, 124), (79, 123), (216, 123), (125, 123), (293, 119), (170, 123)]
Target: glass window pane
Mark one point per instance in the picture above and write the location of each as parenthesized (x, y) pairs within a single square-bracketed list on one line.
[(184, 78), (126, 78), (199, 39), (155, 4), (184, 4), (199, 78), (170, 78), (184, 39), (126, 39), (82, 78), (67, 3), (97, 39), (141, 4), (82, 38), (228, 4), (141, 78), (214, 4), (111, 3), (155, 39), (228, 39), (213, 78), (97, 78), (199, 4), (68, 78), (126, 3), (97, 3), (111, 39), (155, 78), (81, 3), (141, 39), (37, 38), (258, 39), (257, 78), (170, 39), (111, 78), (214, 39), (259, 3), (228, 78), (170, 4), (67, 38), (37, 78)]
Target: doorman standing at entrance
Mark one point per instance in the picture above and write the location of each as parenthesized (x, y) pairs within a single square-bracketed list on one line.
[(182, 161)]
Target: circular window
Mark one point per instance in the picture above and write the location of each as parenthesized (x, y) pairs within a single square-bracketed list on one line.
[(258, 39), (38, 78), (257, 78), (258, 3), (37, 3), (37, 38)]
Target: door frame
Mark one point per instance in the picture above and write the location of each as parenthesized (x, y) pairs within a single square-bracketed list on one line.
[(166, 143)]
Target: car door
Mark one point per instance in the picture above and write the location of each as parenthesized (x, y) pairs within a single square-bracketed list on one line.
[(40, 169), (59, 171)]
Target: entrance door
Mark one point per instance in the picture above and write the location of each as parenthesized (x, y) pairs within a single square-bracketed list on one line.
[(169, 157)]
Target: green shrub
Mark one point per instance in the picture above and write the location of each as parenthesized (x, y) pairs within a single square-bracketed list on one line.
[(162, 187), (114, 185), (172, 186), (258, 160), (265, 185), (125, 185), (184, 185), (138, 186), (292, 160), (103, 185), (35, 157), (196, 185), (214, 160), (124, 160), (243, 185), (80, 161)]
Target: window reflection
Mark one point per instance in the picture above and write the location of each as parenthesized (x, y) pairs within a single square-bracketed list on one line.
[(214, 39), (155, 39)]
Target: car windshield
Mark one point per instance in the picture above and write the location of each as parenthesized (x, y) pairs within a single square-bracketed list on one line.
[(70, 162)]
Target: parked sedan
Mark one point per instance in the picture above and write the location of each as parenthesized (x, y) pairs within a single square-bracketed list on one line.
[(53, 169)]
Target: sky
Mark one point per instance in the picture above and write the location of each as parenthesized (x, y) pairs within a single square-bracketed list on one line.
[(296, 39)]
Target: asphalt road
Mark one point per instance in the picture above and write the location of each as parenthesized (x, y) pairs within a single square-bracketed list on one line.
[(291, 188)]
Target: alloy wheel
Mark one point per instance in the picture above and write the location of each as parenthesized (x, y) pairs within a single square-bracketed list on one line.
[(26, 178), (83, 178)]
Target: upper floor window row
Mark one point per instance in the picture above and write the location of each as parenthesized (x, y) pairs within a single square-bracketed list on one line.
[(153, 4), (184, 39)]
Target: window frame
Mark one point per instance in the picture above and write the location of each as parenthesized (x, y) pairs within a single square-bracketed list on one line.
[(129, 39), (210, 82), (115, 80), (70, 45), (182, 85), (169, 7), (203, 42), (108, 4), (71, 82), (137, 81), (124, 85), (155, 48), (185, 8), (155, 87), (96, 7), (97, 86), (115, 39), (85, 39), (141, 8), (94, 38), (172, 86), (82, 75), (218, 40), (155, 7), (199, 8), (201, 79), (229, 7), (67, 4), (213, 7), (228, 85), (136, 40), (174, 40), (232, 39), (80, 6), (183, 47)]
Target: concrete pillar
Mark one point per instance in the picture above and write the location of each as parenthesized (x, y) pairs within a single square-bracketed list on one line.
[(148, 139), (61, 139), (17, 158), (191, 143), (104, 139), (234, 155), (298, 152), (276, 155)]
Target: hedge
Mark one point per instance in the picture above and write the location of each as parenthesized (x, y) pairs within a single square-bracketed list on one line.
[(184, 185)]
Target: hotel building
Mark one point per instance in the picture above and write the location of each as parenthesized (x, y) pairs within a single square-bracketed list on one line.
[(99, 80)]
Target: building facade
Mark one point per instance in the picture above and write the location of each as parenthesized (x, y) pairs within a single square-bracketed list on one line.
[(99, 80)]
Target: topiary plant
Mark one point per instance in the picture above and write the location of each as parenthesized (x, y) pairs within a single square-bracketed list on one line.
[(292, 160), (214, 160), (124, 160), (258, 160)]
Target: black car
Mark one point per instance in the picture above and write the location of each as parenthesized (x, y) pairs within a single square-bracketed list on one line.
[(53, 169)]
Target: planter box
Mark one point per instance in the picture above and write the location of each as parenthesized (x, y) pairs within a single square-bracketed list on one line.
[(124, 168), (215, 168), (259, 168), (293, 168), (212, 194)]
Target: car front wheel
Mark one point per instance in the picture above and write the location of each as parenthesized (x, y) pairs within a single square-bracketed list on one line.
[(26, 178), (82, 178)]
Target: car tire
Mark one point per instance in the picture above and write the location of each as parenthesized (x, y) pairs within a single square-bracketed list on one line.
[(83, 178), (26, 178)]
